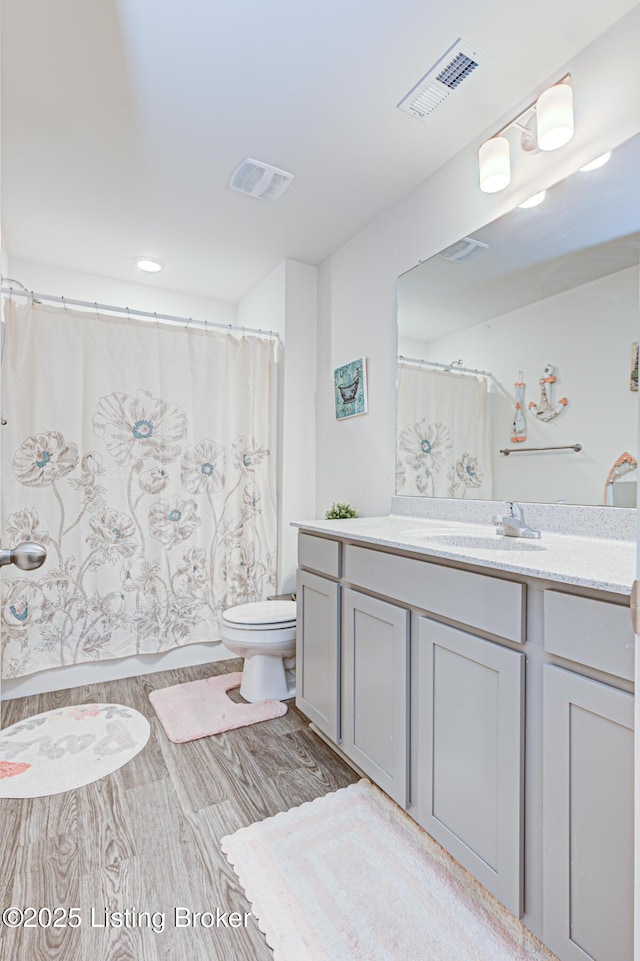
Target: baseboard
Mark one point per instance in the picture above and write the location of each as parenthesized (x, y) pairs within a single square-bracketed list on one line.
[(338, 750)]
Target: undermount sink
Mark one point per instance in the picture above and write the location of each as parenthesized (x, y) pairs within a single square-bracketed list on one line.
[(426, 532), (494, 542)]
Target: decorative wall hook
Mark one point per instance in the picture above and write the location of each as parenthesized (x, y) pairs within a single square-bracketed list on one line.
[(546, 410)]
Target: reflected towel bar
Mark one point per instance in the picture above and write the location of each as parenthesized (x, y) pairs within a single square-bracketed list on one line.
[(527, 450)]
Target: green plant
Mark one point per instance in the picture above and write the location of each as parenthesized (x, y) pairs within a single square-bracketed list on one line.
[(338, 511)]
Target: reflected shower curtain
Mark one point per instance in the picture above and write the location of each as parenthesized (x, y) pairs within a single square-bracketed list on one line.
[(443, 434), (143, 457)]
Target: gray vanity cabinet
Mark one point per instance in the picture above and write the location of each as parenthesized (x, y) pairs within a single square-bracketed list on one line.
[(318, 651), (416, 667), (469, 753), (588, 818), (375, 704)]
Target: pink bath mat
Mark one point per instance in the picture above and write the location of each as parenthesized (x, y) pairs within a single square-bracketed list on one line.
[(201, 708)]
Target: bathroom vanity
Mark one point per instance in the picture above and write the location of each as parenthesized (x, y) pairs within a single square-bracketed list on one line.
[(486, 684)]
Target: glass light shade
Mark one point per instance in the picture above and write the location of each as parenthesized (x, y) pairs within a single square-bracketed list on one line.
[(554, 109), (495, 165), (598, 162), (149, 264), (533, 200)]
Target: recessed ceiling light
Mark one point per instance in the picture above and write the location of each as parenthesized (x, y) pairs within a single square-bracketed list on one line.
[(598, 162), (149, 264), (533, 201)]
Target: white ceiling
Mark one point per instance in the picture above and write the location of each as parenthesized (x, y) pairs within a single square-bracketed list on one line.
[(123, 121)]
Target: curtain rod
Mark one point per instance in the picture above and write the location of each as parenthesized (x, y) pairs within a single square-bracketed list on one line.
[(455, 365), (148, 315)]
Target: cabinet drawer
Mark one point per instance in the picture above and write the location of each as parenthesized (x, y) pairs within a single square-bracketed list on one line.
[(319, 554), (594, 633), (486, 603)]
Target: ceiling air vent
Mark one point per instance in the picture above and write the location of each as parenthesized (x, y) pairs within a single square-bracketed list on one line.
[(259, 179), (454, 68), (463, 250)]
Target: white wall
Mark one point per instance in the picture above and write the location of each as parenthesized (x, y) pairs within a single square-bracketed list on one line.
[(151, 295), (299, 413), (286, 301), (357, 294), (570, 331)]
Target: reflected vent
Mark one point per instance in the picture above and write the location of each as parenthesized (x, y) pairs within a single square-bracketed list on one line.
[(454, 68), (463, 250)]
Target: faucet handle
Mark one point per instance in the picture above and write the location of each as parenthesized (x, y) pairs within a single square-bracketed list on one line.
[(515, 510)]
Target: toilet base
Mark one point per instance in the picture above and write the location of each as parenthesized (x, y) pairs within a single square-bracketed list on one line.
[(264, 679)]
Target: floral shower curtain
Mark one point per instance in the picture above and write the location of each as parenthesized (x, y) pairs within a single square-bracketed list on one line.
[(143, 457), (443, 434)]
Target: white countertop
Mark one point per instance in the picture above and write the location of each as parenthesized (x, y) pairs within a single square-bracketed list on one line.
[(595, 562)]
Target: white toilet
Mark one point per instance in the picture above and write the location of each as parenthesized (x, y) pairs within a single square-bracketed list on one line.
[(264, 633)]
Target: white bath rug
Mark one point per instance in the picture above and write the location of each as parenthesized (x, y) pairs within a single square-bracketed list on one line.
[(67, 748), (351, 877)]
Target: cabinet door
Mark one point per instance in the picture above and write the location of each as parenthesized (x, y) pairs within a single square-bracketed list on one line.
[(469, 753), (317, 652), (375, 709), (587, 818)]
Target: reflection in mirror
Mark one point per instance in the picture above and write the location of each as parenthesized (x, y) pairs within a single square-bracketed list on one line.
[(522, 341), (621, 486)]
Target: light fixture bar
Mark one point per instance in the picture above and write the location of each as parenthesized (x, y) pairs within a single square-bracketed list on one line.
[(530, 109)]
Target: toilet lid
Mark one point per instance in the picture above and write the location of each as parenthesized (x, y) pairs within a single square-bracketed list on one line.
[(261, 613)]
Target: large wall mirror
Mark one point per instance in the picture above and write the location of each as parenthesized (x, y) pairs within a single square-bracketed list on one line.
[(518, 351)]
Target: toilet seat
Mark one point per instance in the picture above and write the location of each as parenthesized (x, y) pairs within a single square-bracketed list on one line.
[(261, 616), (265, 639)]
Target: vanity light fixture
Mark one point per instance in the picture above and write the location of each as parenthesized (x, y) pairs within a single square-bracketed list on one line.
[(150, 265), (598, 162), (545, 124), (533, 201), (554, 114)]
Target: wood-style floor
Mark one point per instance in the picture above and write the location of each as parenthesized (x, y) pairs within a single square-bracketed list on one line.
[(147, 836)]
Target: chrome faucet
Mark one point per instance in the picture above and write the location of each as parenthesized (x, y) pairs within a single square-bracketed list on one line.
[(513, 523)]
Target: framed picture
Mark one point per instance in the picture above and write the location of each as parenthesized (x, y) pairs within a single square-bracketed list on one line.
[(350, 388), (633, 380)]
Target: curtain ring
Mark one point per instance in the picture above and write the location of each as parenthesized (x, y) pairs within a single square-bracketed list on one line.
[(128, 314), (64, 304), (186, 326), (157, 323), (95, 304)]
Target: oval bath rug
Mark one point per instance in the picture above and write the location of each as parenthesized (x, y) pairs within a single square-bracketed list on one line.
[(67, 748)]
